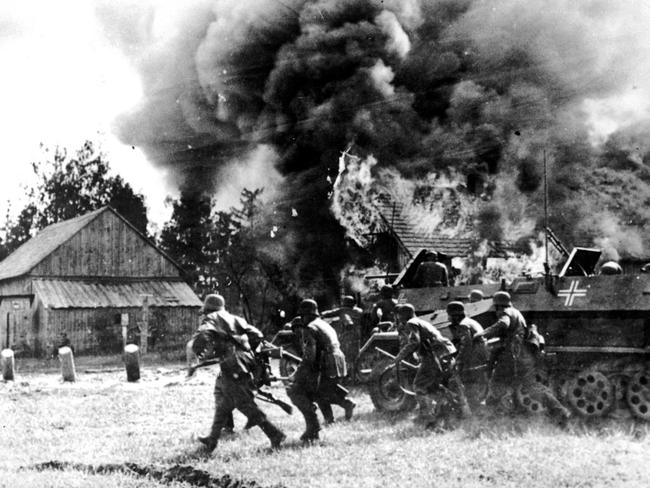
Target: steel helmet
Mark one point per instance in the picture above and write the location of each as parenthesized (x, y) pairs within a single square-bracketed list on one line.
[(611, 268), (348, 301), (476, 296), (213, 302), (502, 298), (405, 310), (455, 308), (308, 307)]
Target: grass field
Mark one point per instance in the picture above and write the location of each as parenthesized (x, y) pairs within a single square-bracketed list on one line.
[(101, 420)]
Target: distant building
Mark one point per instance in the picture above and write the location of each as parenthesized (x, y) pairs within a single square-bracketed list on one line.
[(398, 241), (94, 278)]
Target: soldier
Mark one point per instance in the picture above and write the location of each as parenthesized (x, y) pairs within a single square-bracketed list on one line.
[(437, 368), (347, 324), (472, 359), (323, 364), (515, 361), (384, 309), (476, 296), (228, 336), (431, 272), (610, 268), (348, 313)]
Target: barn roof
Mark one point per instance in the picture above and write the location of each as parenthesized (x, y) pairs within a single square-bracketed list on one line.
[(84, 294), (32, 252), (392, 215), (48, 239)]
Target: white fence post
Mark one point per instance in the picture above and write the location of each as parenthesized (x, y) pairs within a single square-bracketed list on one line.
[(7, 363), (67, 364)]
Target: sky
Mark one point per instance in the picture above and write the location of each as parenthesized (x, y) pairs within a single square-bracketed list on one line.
[(63, 83)]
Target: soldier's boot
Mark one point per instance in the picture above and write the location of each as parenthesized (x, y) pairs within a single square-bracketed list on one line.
[(209, 441), (311, 431), (220, 421), (326, 410), (349, 407), (464, 410), (426, 409), (229, 426), (275, 435)]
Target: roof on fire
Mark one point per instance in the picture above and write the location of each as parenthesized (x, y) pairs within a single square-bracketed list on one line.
[(392, 214)]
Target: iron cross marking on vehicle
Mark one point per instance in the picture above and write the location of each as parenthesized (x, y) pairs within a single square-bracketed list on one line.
[(572, 292)]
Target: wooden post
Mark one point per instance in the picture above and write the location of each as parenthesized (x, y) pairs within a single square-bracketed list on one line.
[(67, 364), (144, 330), (132, 362), (7, 362)]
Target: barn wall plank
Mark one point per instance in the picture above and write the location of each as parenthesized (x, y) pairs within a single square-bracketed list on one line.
[(107, 247)]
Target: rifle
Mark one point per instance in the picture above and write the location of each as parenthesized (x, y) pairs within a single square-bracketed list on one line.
[(268, 348), (208, 362), (267, 396), (391, 356)]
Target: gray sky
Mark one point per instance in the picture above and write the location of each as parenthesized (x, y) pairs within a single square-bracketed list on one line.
[(62, 83)]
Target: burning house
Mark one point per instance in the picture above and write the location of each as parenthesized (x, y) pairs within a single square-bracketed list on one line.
[(459, 99), (99, 281), (400, 241)]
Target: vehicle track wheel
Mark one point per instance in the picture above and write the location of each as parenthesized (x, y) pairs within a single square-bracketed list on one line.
[(524, 398), (590, 393), (385, 391), (638, 395)]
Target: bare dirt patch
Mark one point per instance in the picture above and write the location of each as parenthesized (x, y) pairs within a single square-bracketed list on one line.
[(176, 473)]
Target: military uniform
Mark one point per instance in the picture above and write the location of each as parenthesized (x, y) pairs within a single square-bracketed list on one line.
[(383, 311), (317, 378), (347, 324), (234, 388), (472, 359), (437, 368), (431, 274), (515, 364)]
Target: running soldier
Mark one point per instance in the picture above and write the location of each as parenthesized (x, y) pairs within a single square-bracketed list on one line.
[(437, 371), (228, 337), (317, 378), (473, 357), (515, 362)]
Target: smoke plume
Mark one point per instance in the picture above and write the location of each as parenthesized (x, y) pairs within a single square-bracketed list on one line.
[(451, 106)]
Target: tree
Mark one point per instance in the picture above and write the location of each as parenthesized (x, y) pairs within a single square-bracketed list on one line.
[(228, 252), (187, 238), (71, 185)]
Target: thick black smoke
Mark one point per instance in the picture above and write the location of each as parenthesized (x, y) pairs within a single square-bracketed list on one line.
[(478, 90)]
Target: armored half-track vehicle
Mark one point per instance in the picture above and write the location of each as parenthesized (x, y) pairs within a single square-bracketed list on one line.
[(596, 329)]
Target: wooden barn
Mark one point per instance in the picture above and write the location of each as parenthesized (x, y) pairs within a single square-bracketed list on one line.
[(97, 280)]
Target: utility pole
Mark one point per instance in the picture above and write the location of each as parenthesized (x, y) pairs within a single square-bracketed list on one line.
[(547, 266)]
